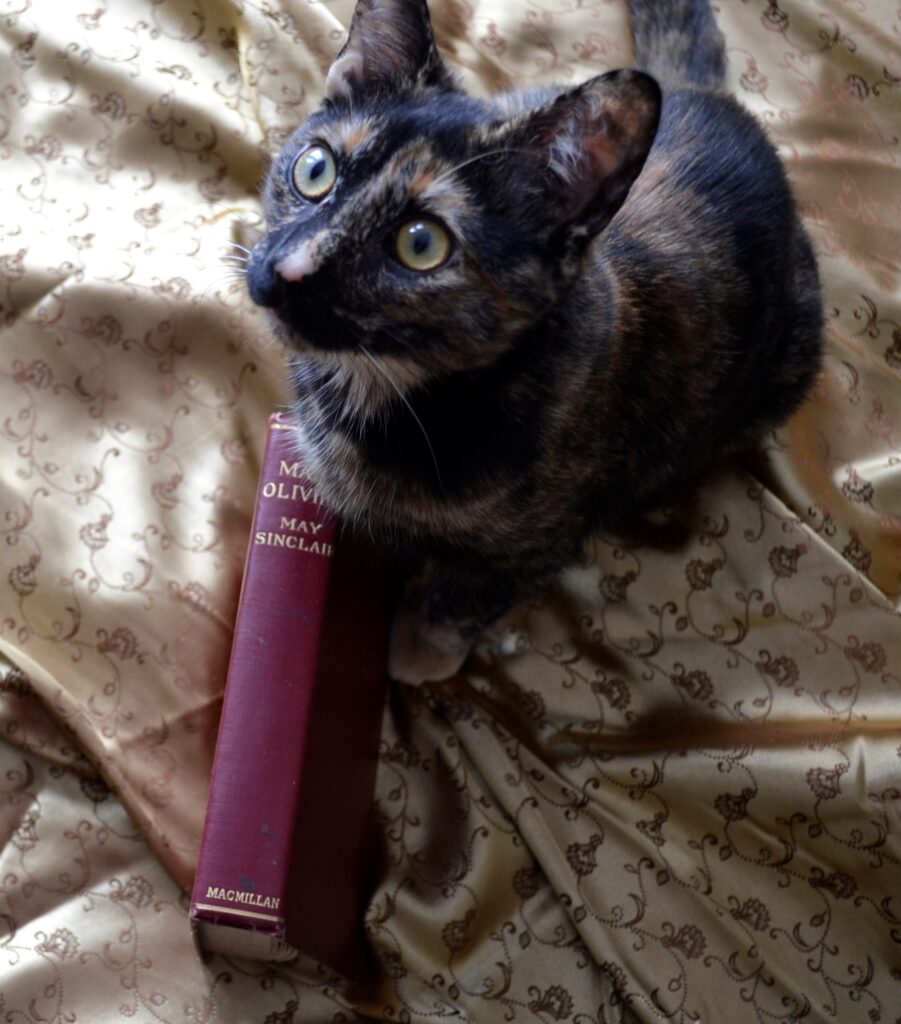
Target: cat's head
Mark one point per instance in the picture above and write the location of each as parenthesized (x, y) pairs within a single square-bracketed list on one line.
[(406, 218)]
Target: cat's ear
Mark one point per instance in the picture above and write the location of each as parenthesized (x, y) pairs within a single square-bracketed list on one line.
[(389, 46), (591, 143)]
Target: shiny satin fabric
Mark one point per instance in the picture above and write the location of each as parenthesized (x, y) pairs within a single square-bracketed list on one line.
[(667, 790)]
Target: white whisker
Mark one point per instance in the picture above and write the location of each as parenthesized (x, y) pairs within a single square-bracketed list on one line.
[(247, 217), (229, 282), (379, 366), (473, 159)]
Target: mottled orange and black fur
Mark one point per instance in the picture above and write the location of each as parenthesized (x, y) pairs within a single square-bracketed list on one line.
[(629, 295)]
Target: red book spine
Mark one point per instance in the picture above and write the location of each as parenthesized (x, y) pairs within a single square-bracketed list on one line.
[(248, 841)]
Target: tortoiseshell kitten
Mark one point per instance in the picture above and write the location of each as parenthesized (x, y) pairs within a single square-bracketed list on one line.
[(518, 320)]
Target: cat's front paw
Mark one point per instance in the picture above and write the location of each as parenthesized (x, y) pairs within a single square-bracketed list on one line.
[(420, 651)]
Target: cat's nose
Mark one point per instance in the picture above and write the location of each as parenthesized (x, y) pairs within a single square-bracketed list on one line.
[(266, 287), (270, 273), (296, 265)]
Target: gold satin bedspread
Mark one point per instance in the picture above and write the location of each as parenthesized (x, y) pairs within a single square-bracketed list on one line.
[(668, 791)]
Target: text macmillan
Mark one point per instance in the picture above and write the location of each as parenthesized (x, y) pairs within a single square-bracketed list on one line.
[(252, 899), (295, 533)]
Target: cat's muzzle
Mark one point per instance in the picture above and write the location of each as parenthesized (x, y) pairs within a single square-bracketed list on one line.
[(267, 288)]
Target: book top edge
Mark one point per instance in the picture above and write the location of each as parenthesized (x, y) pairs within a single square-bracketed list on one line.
[(282, 421)]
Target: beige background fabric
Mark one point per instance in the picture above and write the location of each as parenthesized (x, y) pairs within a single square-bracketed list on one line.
[(669, 790)]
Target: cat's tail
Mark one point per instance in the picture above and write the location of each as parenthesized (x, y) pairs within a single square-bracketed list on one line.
[(677, 42)]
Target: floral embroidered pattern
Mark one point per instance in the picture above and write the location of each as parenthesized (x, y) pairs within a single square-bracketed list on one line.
[(687, 769)]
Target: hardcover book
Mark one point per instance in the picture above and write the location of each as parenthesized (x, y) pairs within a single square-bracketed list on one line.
[(285, 855)]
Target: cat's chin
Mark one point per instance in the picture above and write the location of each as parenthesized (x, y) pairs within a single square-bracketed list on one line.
[(302, 326), (292, 340)]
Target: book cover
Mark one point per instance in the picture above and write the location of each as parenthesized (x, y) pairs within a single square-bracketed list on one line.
[(284, 859)]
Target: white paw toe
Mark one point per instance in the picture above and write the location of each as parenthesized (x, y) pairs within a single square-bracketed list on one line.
[(422, 653)]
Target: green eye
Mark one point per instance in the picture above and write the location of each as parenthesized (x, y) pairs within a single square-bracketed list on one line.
[(315, 172), (423, 244)]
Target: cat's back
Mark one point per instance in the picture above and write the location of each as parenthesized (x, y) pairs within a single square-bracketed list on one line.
[(713, 286), (713, 183)]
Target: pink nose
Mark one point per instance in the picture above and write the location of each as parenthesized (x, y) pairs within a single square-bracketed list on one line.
[(295, 266)]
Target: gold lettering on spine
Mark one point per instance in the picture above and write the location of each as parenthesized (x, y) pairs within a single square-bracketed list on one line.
[(251, 899), (291, 492), (294, 532), (299, 525), (275, 539), (294, 470)]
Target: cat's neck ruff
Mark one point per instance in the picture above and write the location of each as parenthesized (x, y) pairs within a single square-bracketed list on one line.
[(363, 383)]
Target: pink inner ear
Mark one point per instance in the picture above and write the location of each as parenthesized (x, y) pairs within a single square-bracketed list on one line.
[(584, 160), (390, 42), (593, 140), (602, 154), (347, 68)]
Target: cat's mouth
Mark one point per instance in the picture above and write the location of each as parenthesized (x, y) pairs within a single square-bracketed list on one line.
[(314, 325), (304, 312)]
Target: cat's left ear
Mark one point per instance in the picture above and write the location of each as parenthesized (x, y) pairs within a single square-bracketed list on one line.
[(591, 143), (389, 46)]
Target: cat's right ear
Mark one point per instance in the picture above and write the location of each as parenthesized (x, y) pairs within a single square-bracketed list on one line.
[(590, 144), (390, 46)]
